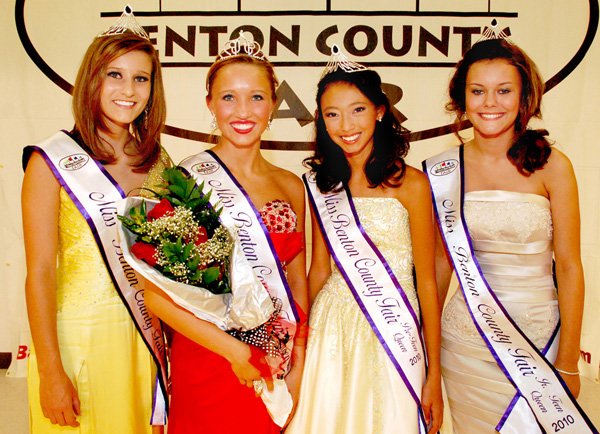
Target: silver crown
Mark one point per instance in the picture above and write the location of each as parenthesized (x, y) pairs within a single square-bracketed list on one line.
[(493, 31), (126, 24), (338, 60), (243, 45)]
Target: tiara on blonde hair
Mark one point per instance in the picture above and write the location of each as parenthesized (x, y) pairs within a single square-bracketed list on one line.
[(338, 60), (126, 23), (242, 45)]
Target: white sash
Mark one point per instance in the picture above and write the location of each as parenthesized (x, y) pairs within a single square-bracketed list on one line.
[(542, 403), (240, 213), (94, 193), (373, 284)]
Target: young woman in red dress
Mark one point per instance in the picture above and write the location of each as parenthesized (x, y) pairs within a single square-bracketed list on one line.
[(214, 372)]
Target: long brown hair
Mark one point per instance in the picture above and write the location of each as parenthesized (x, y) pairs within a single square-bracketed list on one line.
[(87, 112), (530, 149)]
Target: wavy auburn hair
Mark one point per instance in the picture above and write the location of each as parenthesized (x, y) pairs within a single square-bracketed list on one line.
[(87, 110), (530, 150)]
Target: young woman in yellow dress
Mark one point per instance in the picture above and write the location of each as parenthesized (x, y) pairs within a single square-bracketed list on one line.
[(90, 369)]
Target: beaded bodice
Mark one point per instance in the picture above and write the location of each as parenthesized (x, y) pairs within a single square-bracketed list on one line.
[(512, 238)]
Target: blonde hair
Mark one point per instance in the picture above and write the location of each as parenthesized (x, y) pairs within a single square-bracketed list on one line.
[(244, 59)]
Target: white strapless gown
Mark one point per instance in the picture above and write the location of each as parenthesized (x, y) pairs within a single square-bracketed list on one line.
[(512, 238), (350, 385)]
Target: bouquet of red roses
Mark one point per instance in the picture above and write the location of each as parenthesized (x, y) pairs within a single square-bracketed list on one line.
[(181, 235), (178, 243)]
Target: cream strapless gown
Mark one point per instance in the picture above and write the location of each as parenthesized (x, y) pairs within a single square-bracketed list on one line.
[(350, 385), (512, 238)]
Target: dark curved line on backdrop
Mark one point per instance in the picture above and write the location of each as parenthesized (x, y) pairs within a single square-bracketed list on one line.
[(579, 56), (32, 52), (306, 146)]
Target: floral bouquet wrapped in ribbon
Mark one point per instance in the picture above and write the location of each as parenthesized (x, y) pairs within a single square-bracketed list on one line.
[(178, 243)]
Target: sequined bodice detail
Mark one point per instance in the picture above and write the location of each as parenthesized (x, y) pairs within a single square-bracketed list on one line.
[(518, 218), (278, 216), (512, 238), (387, 223), (82, 277)]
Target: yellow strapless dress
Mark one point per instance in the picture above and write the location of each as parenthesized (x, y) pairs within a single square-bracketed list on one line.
[(349, 385), (101, 350)]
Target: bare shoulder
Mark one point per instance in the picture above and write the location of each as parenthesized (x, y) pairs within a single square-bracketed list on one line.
[(38, 172), (287, 179), (557, 171), (558, 163), (414, 192), (416, 181)]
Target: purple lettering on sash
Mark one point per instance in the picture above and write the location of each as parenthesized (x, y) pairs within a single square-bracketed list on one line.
[(524, 365), (98, 209)]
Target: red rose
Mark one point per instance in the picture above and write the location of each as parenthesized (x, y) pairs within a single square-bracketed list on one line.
[(160, 209), (202, 236), (145, 252)]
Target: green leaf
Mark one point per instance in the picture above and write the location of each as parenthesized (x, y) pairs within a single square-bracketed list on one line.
[(187, 249), (172, 250), (210, 275), (196, 275), (190, 185), (193, 263), (177, 190)]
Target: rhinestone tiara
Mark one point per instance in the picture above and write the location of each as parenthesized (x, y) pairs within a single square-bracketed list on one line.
[(493, 31), (126, 24), (242, 45), (338, 60)]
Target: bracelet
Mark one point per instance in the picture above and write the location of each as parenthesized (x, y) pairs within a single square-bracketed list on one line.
[(567, 372)]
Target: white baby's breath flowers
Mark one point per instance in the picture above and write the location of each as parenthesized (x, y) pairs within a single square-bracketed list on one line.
[(179, 223), (217, 249)]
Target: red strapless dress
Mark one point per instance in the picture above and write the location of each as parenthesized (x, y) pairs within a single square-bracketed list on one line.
[(206, 396)]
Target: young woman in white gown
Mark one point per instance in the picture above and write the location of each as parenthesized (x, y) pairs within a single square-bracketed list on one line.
[(350, 383), (521, 209)]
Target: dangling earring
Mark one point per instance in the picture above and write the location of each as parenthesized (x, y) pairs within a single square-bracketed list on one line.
[(146, 111), (213, 123), (269, 124)]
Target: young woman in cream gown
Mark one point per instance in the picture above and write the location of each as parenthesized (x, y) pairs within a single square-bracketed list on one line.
[(521, 209), (350, 384)]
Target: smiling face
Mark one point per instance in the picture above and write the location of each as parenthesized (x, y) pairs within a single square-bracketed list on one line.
[(492, 98), (241, 100), (350, 118), (125, 89)]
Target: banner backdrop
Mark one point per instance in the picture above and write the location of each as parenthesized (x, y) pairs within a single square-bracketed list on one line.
[(412, 44)]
